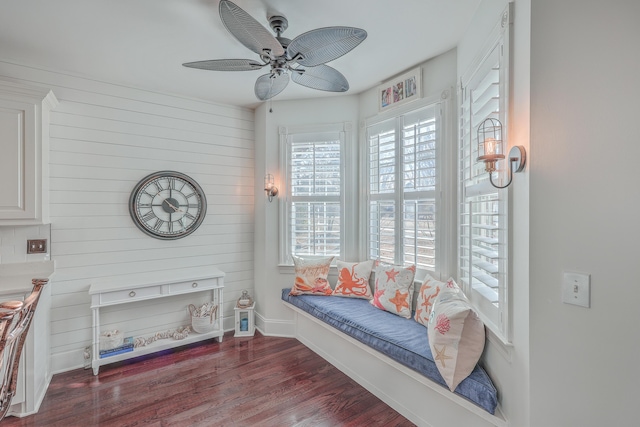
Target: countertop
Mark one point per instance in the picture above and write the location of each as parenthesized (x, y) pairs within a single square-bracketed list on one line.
[(16, 277)]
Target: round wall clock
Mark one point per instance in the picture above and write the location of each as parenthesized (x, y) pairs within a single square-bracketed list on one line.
[(167, 205)]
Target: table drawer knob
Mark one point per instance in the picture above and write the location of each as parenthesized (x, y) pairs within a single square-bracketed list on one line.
[(194, 285), (132, 294)]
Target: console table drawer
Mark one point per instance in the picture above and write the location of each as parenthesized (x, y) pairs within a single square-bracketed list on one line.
[(192, 286), (130, 295)]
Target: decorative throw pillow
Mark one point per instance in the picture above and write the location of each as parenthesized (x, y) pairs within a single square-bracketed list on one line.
[(429, 290), (353, 279), (311, 276), (456, 336), (394, 288)]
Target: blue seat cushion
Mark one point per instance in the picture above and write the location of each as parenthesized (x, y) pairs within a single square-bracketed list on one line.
[(403, 340)]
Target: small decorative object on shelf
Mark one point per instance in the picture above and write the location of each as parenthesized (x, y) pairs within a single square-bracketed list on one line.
[(177, 334), (245, 300), (204, 319), (245, 324), (110, 339)]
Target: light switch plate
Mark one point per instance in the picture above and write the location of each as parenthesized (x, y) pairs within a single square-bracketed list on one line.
[(576, 289)]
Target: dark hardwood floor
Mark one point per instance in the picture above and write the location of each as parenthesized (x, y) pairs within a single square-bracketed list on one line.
[(259, 381)]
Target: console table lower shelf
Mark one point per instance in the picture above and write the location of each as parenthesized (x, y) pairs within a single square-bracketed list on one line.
[(103, 295)]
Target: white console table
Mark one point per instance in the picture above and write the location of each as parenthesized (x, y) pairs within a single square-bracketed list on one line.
[(105, 294)]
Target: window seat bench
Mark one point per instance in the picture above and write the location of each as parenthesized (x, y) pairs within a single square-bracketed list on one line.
[(390, 356)]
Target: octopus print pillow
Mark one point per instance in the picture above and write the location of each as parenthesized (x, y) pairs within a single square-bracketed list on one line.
[(394, 288), (353, 279), (456, 337), (311, 276), (429, 290)]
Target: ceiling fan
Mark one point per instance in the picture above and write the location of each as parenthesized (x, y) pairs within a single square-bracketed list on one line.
[(303, 58)]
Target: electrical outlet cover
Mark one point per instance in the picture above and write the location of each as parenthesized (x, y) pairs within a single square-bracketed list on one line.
[(576, 289)]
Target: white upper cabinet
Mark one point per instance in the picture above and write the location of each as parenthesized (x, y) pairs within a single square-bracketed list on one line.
[(24, 153)]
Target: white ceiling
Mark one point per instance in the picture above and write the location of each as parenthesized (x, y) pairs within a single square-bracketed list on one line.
[(142, 43)]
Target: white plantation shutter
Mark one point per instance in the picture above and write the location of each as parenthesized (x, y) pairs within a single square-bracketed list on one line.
[(314, 183), (483, 213), (382, 184), (402, 159)]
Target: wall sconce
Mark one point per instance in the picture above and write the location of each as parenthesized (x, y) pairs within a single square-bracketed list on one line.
[(490, 150), (269, 187)]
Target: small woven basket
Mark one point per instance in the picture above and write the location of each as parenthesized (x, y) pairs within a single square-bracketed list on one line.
[(110, 339), (203, 324)]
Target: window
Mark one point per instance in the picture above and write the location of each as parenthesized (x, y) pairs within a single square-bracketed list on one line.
[(313, 164), (403, 185), (483, 209)]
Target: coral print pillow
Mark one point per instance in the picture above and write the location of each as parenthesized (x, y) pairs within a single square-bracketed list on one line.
[(353, 279), (429, 290), (311, 276), (394, 288), (456, 337)]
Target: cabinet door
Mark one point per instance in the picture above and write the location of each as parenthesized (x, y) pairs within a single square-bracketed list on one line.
[(18, 170)]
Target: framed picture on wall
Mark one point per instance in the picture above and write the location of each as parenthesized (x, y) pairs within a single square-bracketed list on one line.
[(402, 89)]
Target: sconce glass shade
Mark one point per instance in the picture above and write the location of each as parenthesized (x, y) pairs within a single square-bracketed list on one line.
[(490, 150), (490, 147), (270, 187)]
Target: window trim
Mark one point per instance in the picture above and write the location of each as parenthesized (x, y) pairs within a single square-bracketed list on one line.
[(499, 38), (345, 131)]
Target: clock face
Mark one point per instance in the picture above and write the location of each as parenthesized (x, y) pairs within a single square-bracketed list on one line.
[(167, 205)]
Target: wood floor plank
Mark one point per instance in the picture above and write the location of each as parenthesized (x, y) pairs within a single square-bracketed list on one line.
[(258, 381)]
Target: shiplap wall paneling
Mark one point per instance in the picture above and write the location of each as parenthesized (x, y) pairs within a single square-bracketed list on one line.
[(104, 139)]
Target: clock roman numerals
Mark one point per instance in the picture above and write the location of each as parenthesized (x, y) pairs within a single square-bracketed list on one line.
[(149, 216), (156, 184), (158, 225)]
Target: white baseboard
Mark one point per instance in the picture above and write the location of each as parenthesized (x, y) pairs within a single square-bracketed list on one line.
[(275, 328)]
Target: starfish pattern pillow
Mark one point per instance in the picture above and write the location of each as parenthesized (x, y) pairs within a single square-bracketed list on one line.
[(456, 336), (429, 290), (353, 279), (311, 276), (394, 288)]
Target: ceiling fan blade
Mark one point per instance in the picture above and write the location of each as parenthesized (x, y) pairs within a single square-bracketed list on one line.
[(247, 30), (269, 85), (325, 44), (226, 65), (321, 77)]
